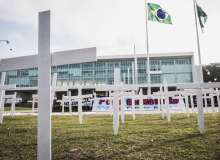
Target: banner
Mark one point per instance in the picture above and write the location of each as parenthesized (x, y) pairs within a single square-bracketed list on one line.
[(148, 104)]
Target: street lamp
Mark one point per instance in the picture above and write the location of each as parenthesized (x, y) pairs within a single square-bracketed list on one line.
[(215, 79), (5, 41)]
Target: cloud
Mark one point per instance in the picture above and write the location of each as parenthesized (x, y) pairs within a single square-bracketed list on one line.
[(114, 26)]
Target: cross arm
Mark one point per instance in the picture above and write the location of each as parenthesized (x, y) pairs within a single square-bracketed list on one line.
[(80, 97), (59, 89), (198, 85), (13, 86), (117, 88)]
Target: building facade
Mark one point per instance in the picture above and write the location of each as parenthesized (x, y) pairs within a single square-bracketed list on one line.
[(73, 71), (173, 70)]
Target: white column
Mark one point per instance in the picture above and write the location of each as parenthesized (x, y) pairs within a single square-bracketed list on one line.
[(206, 106), (80, 110), (218, 100), (199, 99), (2, 107), (192, 104), (158, 104), (44, 88), (187, 105), (122, 109), (167, 102), (162, 106), (116, 102), (33, 105), (133, 72), (213, 105), (124, 78), (54, 84), (96, 103), (181, 104), (13, 103), (128, 76), (80, 104), (2, 93), (110, 107), (62, 104), (133, 107), (141, 104), (70, 103), (136, 67)]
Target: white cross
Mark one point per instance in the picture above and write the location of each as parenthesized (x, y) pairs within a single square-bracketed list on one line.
[(123, 95), (2, 93), (63, 100), (166, 95), (35, 99), (13, 100), (79, 99), (116, 88), (162, 106), (34, 96), (211, 96), (192, 92), (110, 104), (218, 99), (55, 89), (185, 95), (199, 86), (95, 99)]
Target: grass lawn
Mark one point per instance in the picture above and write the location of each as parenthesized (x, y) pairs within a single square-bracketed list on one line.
[(146, 137), (17, 108)]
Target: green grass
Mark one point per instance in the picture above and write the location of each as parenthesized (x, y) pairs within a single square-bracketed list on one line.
[(17, 108), (147, 137)]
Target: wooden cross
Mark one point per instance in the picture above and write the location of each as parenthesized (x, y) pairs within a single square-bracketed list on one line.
[(55, 89), (2, 93), (63, 100), (166, 95), (116, 88), (199, 86), (13, 100), (192, 92), (79, 99), (185, 95), (95, 100), (123, 95), (34, 96)]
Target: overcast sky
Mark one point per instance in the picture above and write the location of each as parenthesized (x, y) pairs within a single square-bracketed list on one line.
[(113, 26)]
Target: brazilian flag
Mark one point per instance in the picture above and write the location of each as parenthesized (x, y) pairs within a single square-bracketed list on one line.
[(156, 13), (201, 15)]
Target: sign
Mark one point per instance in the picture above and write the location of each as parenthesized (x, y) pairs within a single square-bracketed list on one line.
[(149, 104)]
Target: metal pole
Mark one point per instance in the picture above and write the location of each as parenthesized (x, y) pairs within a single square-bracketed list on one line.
[(133, 72), (148, 59), (200, 63), (136, 73), (128, 76)]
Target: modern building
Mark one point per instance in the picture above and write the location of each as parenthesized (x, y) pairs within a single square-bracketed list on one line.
[(171, 67)]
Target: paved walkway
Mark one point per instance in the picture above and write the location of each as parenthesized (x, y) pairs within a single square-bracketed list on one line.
[(29, 112)]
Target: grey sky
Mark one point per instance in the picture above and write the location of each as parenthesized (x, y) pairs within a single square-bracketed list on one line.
[(113, 26)]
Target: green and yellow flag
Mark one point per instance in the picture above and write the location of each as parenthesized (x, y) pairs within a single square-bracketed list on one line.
[(201, 15), (156, 13)]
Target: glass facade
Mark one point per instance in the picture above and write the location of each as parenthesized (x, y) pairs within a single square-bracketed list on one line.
[(174, 70)]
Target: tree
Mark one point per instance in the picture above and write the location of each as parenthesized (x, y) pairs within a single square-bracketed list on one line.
[(211, 72)]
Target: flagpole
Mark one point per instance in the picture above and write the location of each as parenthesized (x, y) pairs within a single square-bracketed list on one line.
[(198, 44), (148, 59)]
